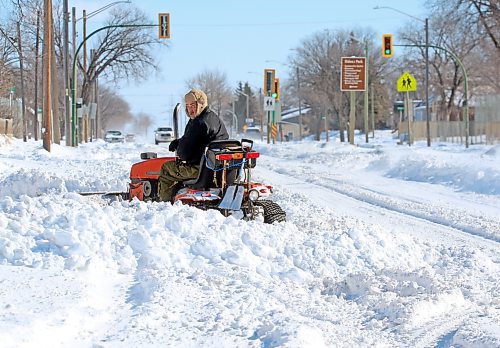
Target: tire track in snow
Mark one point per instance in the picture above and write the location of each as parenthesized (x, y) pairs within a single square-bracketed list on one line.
[(382, 208), (376, 199)]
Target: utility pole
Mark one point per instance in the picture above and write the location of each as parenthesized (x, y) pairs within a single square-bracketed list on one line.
[(21, 66), (97, 116), (84, 42), (261, 115), (300, 105), (47, 74), (92, 101), (67, 120), (37, 47), (247, 102), (81, 120), (74, 123)]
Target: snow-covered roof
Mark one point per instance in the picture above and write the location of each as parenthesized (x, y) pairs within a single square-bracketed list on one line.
[(295, 112)]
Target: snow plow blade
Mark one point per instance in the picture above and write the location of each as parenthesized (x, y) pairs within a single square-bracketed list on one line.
[(107, 195), (233, 198)]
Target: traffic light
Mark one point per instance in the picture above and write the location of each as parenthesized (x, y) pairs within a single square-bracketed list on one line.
[(276, 94), (164, 25), (387, 45), (269, 81)]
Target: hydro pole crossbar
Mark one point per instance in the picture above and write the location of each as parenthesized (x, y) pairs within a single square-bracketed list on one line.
[(466, 103), (74, 140)]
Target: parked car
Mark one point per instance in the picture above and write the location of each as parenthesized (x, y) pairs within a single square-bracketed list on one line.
[(252, 133), (130, 138), (164, 135), (114, 136)]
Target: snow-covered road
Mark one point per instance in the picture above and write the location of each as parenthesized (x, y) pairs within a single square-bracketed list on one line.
[(438, 215)]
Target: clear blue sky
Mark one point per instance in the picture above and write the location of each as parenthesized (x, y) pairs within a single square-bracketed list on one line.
[(237, 37)]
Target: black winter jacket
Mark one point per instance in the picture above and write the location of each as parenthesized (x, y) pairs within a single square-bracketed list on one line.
[(198, 134)]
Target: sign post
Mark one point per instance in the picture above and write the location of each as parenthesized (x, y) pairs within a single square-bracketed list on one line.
[(269, 89), (407, 83), (352, 79)]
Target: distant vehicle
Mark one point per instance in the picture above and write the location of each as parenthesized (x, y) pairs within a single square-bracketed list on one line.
[(130, 138), (164, 135), (253, 133), (114, 136)]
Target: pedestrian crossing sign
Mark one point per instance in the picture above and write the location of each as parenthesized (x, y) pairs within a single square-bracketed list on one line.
[(407, 83)]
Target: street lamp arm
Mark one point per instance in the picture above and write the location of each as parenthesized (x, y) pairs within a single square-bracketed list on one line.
[(280, 63), (104, 8), (358, 40), (399, 11)]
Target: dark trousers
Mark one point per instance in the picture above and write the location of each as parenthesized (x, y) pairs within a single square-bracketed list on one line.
[(173, 172)]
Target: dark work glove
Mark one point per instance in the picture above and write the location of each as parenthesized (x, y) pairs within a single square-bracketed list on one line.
[(173, 145)]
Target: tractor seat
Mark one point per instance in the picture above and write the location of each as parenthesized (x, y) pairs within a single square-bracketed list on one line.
[(210, 174)]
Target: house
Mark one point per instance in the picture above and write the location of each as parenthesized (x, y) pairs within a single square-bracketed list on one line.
[(289, 124)]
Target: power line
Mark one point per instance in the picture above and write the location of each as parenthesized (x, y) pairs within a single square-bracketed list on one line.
[(268, 24)]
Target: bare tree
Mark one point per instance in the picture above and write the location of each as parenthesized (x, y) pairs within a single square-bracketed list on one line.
[(482, 16), (113, 110), (318, 59), (25, 13), (480, 20), (142, 122), (215, 85), (7, 78), (447, 78), (240, 104)]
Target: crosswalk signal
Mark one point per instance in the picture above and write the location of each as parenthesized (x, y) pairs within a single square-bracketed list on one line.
[(387, 45)]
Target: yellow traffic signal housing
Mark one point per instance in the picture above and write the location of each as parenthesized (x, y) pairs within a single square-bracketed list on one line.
[(269, 86), (276, 93), (164, 25), (387, 46)]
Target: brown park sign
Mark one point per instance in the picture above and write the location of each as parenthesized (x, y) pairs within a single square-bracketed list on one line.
[(353, 74)]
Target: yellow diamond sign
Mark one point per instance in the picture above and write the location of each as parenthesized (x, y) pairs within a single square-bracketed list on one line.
[(407, 83)]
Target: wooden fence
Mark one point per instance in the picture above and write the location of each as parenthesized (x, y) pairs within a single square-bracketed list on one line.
[(452, 131), (6, 126)]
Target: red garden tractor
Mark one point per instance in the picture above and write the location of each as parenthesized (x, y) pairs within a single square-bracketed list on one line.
[(223, 183)]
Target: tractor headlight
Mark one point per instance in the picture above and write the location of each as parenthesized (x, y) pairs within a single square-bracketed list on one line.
[(253, 195)]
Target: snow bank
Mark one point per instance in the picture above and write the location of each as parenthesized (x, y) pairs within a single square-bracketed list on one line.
[(173, 273)]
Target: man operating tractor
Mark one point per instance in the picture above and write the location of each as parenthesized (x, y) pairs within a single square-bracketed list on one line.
[(203, 127)]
